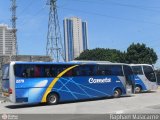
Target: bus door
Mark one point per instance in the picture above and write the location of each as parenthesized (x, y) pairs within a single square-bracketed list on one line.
[(129, 76)]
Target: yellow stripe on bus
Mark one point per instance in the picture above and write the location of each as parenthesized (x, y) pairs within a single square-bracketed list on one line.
[(54, 81)]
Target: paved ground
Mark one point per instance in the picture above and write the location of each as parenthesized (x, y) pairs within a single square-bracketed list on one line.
[(139, 103)]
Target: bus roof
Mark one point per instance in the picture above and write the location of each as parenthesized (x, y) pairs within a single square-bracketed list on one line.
[(140, 65), (68, 63)]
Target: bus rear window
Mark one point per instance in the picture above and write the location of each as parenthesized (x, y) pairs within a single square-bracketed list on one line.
[(5, 72), (137, 70)]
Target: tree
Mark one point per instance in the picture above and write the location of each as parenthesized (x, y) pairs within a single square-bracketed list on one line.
[(139, 53), (101, 54)]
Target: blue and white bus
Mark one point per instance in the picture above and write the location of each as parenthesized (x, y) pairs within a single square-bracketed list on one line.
[(42, 82), (145, 77)]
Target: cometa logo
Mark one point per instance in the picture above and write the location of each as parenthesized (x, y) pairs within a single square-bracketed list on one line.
[(93, 81)]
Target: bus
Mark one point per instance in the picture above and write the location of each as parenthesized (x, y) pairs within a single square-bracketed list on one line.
[(47, 82), (145, 77)]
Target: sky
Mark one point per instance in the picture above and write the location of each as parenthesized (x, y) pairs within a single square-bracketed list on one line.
[(112, 24)]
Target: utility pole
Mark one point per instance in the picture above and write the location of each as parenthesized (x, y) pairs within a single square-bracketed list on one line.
[(14, 29), (54, 47)]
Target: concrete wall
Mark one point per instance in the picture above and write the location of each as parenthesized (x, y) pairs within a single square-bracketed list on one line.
[(6, 59)]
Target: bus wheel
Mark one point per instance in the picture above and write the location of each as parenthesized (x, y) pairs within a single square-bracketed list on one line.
[(52, 99), (138, 89), (117, 93)]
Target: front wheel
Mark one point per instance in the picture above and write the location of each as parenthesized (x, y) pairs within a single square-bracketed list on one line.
[(52, 99), (117, 93)]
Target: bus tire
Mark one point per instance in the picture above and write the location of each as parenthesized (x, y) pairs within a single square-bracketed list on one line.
[(138, 89), (52, 98), (117, 93)]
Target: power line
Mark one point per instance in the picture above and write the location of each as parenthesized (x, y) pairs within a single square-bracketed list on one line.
[(36, 14), (129, 5), (109, 16), (30, 3), (102, 2)]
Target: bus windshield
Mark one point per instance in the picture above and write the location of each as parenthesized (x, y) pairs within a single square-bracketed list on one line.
[(5, 72), (149, 73)]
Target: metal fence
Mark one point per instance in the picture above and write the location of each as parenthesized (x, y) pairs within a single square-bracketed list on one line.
[(29, 58)]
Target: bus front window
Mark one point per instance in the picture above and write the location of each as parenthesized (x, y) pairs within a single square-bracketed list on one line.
[(5, 72), (5, 78), (149, 73)]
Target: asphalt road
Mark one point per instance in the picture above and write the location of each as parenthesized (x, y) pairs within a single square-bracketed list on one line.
[(138, 103)]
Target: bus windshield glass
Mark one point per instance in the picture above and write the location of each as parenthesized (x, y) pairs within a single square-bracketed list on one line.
[(5, 72), (149, 73)]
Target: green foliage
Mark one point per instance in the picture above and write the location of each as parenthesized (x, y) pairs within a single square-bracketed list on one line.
[(101, 54), (136, 53), (139, 53)]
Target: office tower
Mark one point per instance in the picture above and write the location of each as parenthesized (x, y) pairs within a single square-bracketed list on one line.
[(75, 37), (7, 43)]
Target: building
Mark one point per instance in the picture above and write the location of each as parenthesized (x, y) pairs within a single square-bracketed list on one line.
[(7, 43), (75, 37)]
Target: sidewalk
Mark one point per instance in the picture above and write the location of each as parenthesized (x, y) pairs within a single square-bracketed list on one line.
[(2, 99)]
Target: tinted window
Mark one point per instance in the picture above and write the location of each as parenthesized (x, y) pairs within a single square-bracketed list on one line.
[(127, 70), (103, 70), (28, 71), (34, 71), (116, 70), (137, 70), (110, 70), (82, 70), (5, 72), (149, 73)]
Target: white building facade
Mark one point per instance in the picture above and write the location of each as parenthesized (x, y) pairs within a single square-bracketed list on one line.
[(75, 37), (7, 42)]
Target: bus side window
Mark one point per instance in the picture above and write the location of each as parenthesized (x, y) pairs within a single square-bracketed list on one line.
[(69, 73), (53, 71), (137, 70), (31, 71), (24, 73), (46, 71), (37, 71), (116, 70), (104, 70)]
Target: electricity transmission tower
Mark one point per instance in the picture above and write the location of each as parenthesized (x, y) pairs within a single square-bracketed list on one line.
[(54, 47), (14, 30)]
